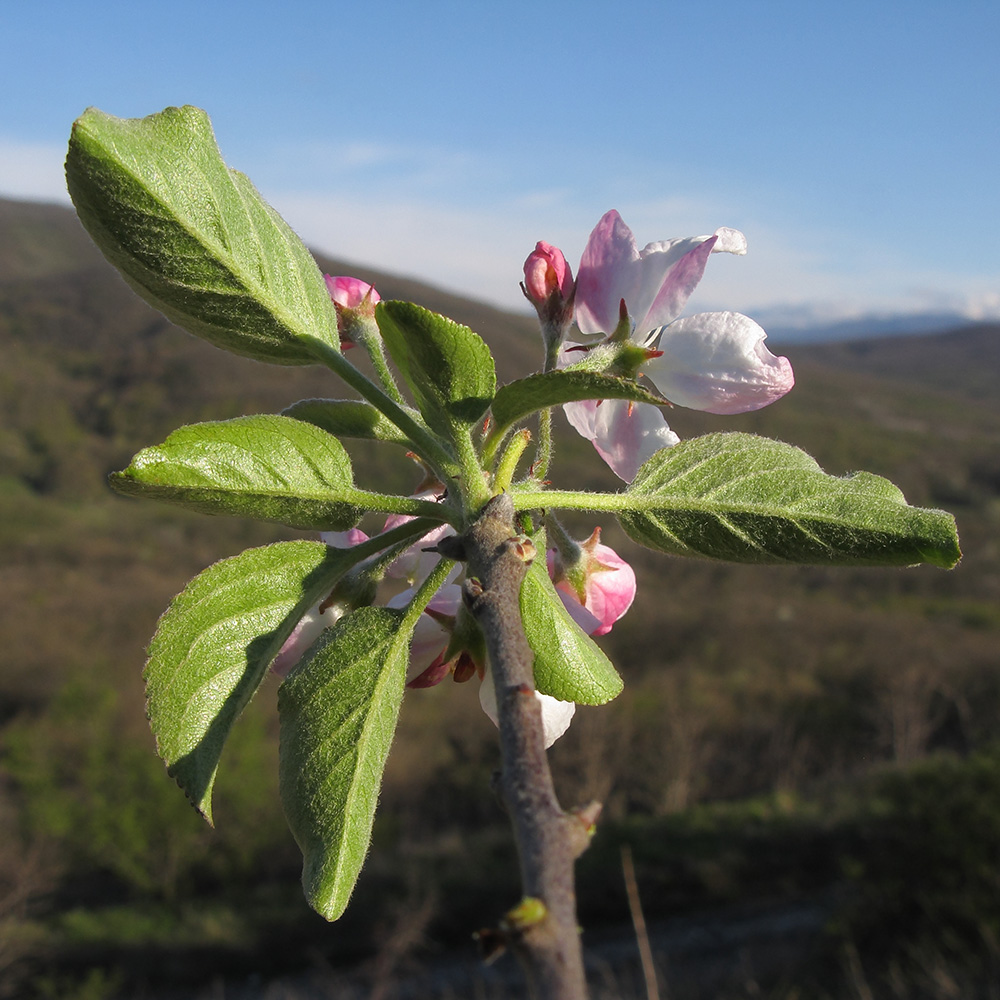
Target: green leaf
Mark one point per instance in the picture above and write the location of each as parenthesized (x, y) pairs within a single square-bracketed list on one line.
[(268, 467), (194, 238), (347, 418), (749, 499), (214, 643), (569, 665), (517, 400), (448, 368), (338, 713)]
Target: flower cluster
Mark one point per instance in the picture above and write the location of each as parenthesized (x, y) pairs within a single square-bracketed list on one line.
[(714, 362), (597, 589), (595, 584)]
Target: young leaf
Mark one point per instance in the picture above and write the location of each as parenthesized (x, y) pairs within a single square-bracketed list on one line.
[(268, 467), (338, 712), (569, 665), (194, 238), (749, 499), (518, 399), (448, 367), (350, 418), (213, 645)]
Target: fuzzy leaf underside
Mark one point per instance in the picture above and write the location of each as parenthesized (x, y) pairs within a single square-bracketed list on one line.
[(213, 645), (269, 467), (338, 712), (569, 665), (348, 418), (749, 499), (194, 238), (519, 399), (447, 366)]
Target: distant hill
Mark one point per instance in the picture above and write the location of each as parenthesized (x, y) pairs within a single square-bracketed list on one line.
[(807, 326), (741, 680)]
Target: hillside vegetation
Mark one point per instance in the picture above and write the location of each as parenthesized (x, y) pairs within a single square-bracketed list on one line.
[(785, 732)]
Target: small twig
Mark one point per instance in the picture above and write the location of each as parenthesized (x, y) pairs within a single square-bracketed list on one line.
[(639, 923)]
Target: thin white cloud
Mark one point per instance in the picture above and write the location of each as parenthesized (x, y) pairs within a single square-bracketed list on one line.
[(425, 229), (32, 171)]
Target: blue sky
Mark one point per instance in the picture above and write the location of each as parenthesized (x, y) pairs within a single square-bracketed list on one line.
[(856, 144)]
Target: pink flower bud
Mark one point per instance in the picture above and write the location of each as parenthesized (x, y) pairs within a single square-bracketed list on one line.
[(354, 301), (546, 273), (600, 580), (351, 293), (548, 285)]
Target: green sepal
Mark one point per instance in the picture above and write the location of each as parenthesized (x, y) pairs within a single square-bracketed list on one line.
[(213, 645), (268, 467), (569, 665), (448, 368), (516, 400), (338, 711), (194, 238), (749, 499), (349, 418)]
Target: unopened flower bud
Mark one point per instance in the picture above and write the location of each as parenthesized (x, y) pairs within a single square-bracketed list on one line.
[(548, 285), (354, 301)]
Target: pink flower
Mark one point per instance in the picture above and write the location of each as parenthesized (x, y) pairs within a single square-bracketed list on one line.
[(715, 362), (351, 293), (354, 301), (414, 564), (429, 662), (599, 580)]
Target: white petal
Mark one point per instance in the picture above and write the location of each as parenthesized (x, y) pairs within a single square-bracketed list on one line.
[(717, 362), (556, 715), (730, 241), (624, 434)]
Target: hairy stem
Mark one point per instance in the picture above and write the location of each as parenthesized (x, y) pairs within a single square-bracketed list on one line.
[(546, 939)]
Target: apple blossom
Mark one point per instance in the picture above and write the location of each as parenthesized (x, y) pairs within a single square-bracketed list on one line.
[(715, 362), (433, 656), (414, 563), (594, 575)]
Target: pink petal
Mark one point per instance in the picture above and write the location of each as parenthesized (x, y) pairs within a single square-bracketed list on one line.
[(670, 286), (605, 275), (344, 539), (350, 292), (655, 283), (430, 637), (580, 614), (610, 588), (717, 362), (624, 434), (545, 272)]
